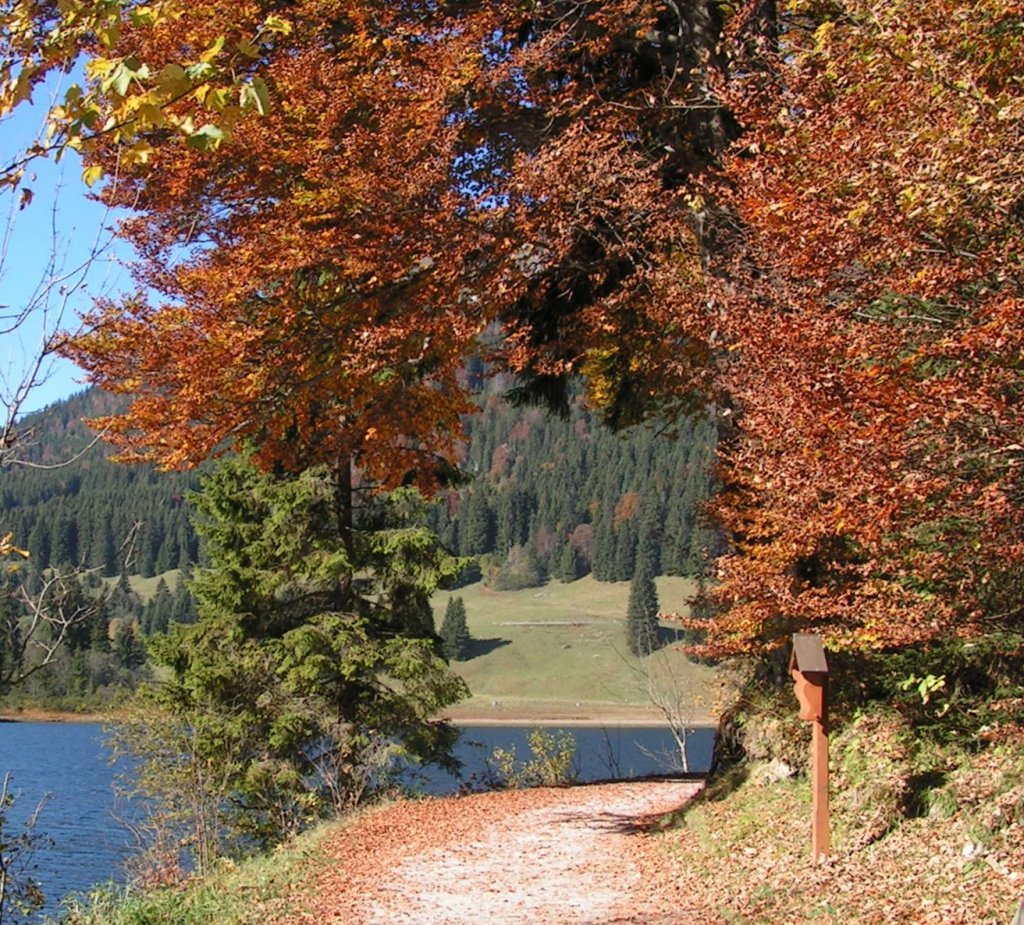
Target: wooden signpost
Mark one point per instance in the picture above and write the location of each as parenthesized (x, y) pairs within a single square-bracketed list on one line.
[(809, 669)]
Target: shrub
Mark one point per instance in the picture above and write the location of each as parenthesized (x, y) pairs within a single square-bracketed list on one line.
[(553, 761)]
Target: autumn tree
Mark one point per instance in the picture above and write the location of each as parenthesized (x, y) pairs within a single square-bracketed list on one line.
[(486, 179), (873, 330)]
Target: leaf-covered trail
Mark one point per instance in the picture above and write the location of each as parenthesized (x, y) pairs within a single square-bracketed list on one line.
[(557, 856)]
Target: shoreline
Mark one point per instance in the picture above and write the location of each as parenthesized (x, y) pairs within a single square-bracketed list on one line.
[(558, 713), (545, 715), (588, 720), (39, 715)]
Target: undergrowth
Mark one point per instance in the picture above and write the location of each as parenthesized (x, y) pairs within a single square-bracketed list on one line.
[(927, 804), (263, 890)]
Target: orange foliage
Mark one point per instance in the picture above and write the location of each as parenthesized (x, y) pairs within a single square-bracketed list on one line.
[(872, 328), (841, 282), (311, 273)]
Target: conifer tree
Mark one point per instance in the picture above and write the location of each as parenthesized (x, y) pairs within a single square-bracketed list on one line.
[(124, 601), (183, 609), (128, 649), (642, 611), (569, 563), (455, 637), (158, 611), (10, 636), (99, 637), (311, 660)]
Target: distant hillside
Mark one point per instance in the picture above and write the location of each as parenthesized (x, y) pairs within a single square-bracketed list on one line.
[(71, 506), (548, 497), (565, 497)]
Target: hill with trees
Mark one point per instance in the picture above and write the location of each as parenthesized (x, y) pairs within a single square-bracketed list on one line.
[(69, 506), (566, 496), (545, 497)]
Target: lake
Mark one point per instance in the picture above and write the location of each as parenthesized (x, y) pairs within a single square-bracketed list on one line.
[(68, 765)]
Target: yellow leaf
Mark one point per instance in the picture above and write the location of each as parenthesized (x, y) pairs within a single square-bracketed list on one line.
[(149, 114), (91, 174), (172, 80), (109, 35), (858, 212), (277, 24), (207, 56), (138, 153), (215, 99), (98, 67)]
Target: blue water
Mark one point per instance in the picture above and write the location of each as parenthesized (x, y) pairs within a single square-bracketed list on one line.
[(68, 766), (602, 753)]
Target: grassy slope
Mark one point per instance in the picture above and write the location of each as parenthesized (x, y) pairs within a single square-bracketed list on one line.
[(742, 855), (146, 587), (560, 652), (561, 649)]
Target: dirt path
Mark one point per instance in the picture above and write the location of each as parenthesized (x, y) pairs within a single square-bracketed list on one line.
[(561, 856)]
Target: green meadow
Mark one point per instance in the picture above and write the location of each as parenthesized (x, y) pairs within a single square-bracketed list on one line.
[(560, 650)]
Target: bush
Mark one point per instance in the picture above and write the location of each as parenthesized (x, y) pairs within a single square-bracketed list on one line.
[(553, 761)]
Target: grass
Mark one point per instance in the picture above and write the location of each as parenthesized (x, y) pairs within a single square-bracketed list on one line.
[(559, 652), (263, 890), (146, 587), (562, 648)]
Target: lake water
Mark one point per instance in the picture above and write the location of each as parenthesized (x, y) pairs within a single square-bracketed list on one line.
[(67, 765)]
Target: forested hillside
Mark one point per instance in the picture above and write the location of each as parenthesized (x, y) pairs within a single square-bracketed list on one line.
[(564, 497), (545, 496), (71, 507)]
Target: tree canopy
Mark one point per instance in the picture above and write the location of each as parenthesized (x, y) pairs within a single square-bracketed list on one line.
[(872, 323), (805, 216)]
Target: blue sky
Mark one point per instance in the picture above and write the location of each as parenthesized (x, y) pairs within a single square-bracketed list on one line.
[(56, 256)]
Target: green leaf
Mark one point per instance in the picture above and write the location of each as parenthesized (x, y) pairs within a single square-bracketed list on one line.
[(208, 138), (200, 71), (259, 86)]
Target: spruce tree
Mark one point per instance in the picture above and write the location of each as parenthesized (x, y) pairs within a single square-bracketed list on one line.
[(311, 659), (99, 632), (157, 615), (642, 611), (183, 609), (128, 649), (11, 648), (569, 566), (455, 631)]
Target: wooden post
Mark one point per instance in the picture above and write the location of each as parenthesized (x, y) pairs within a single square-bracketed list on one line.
[(819, 784), (809, 669)]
